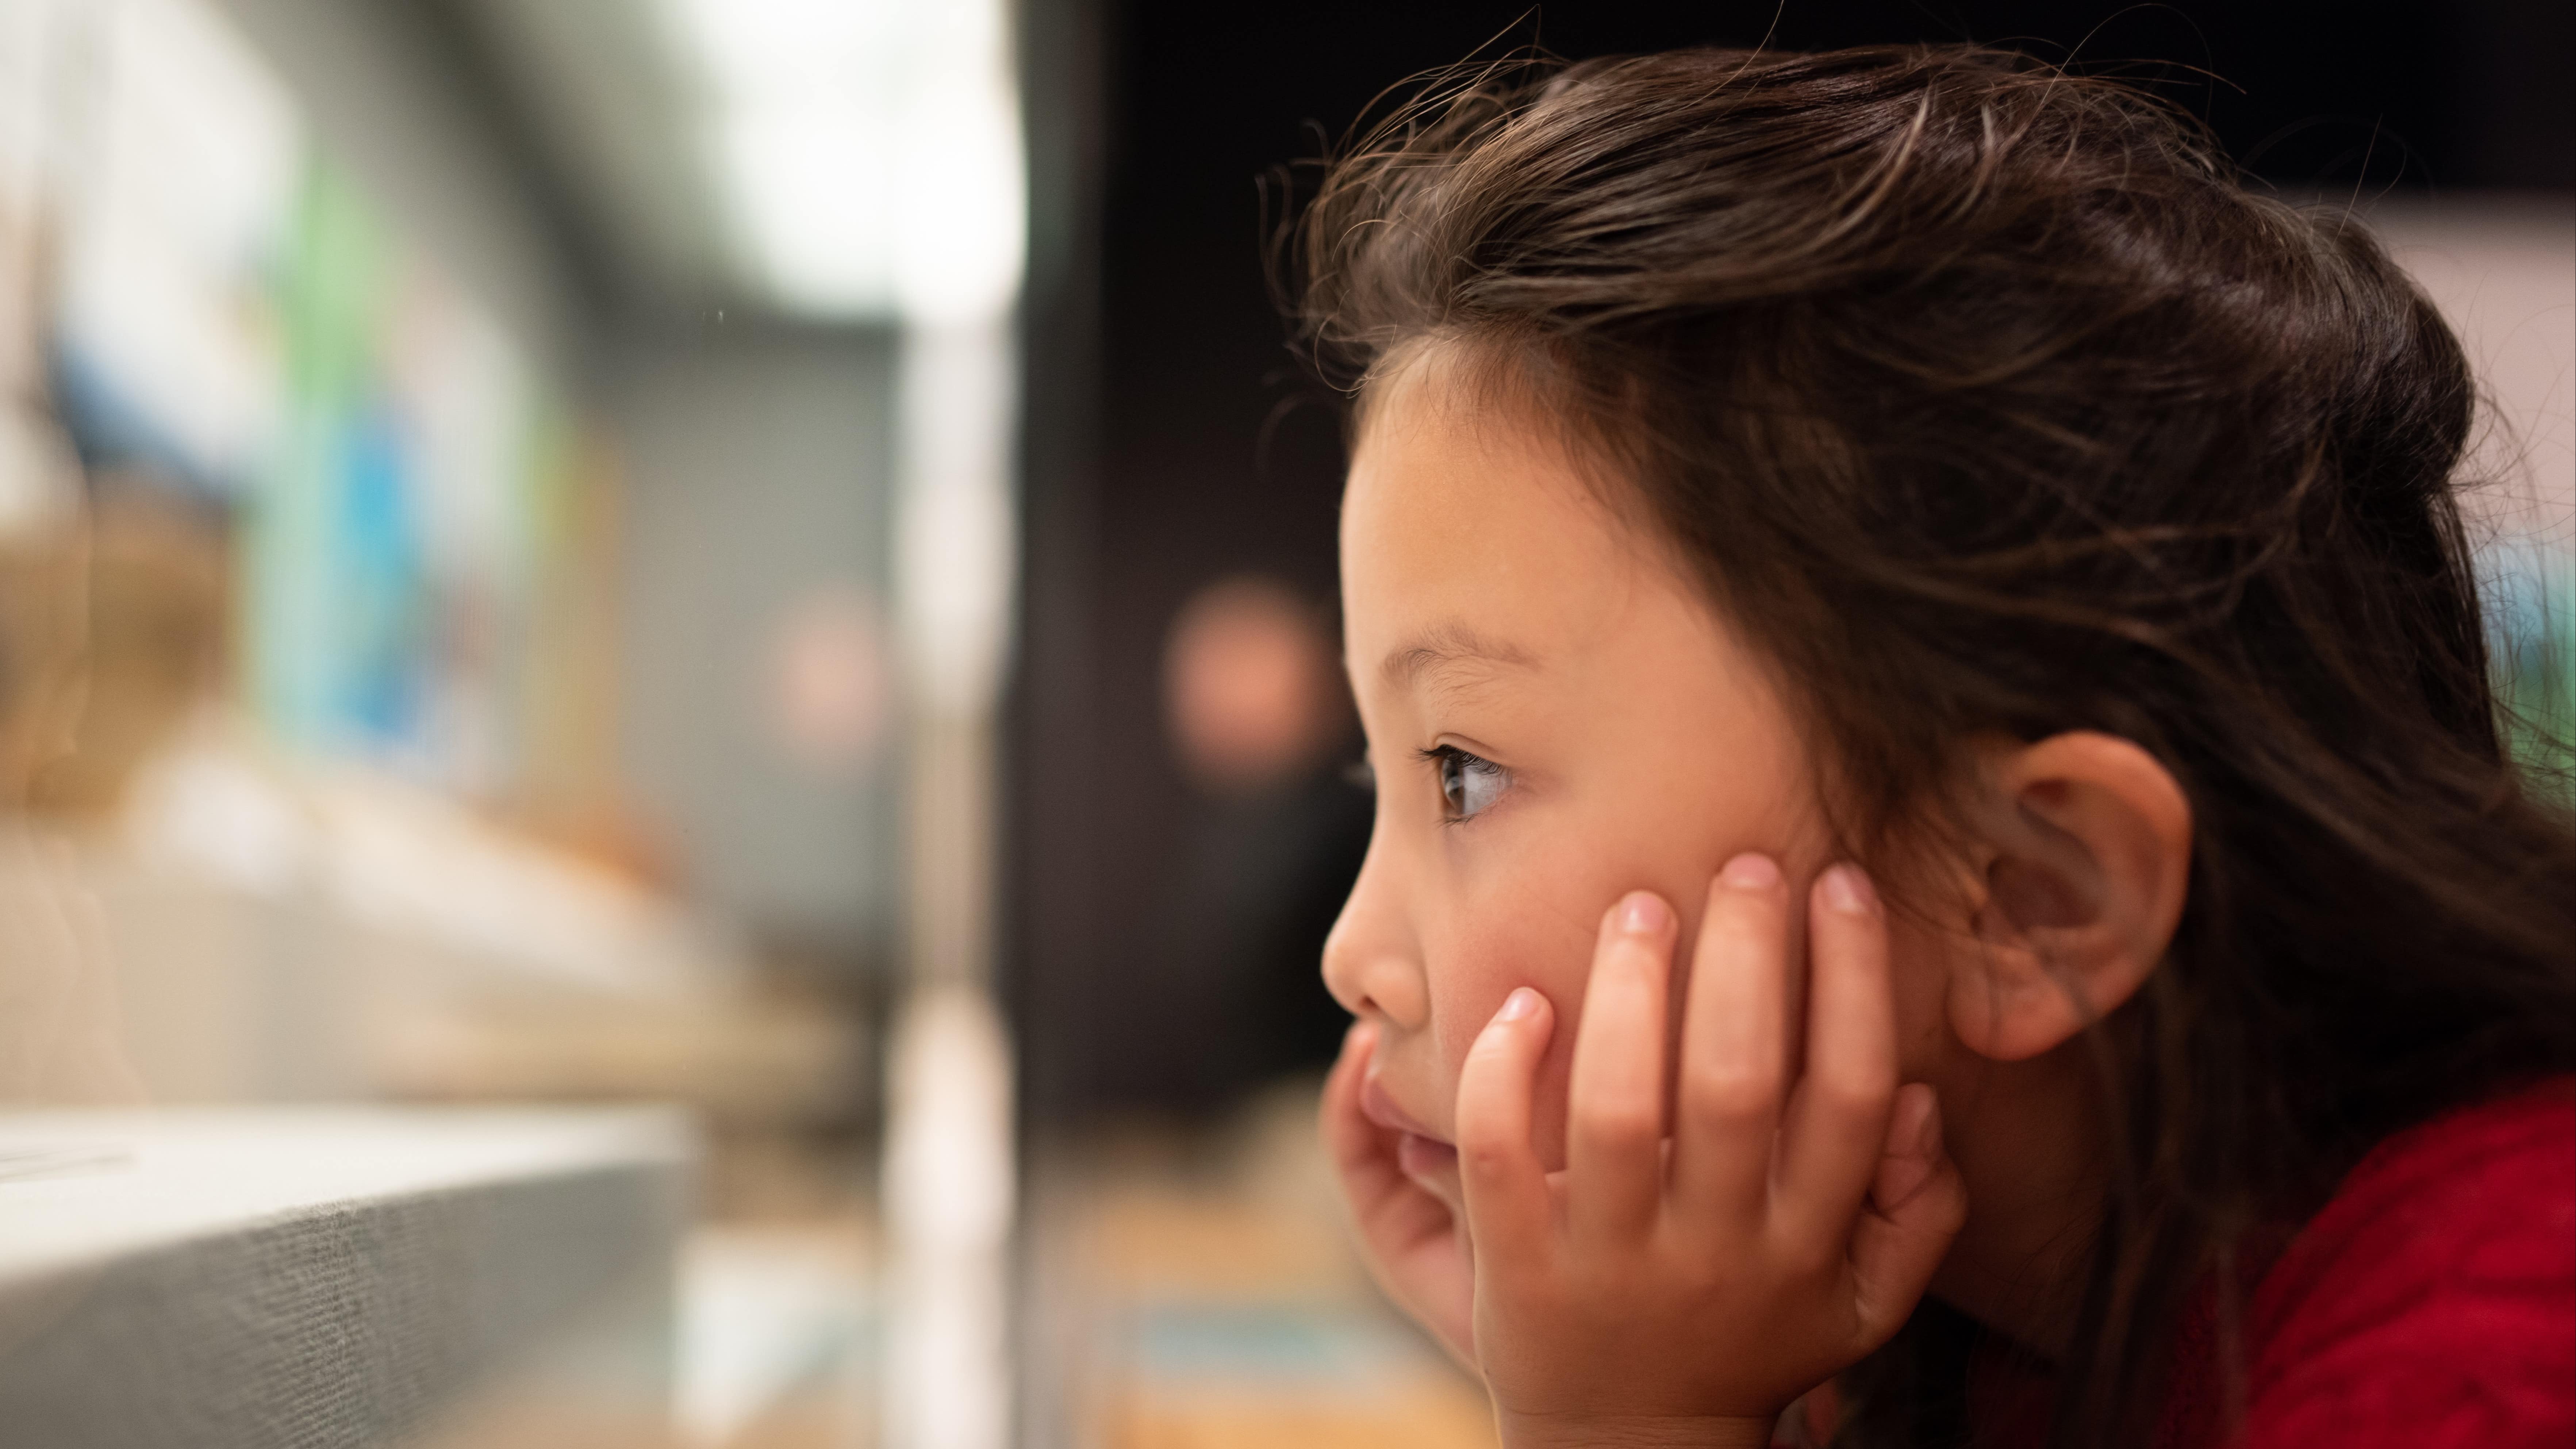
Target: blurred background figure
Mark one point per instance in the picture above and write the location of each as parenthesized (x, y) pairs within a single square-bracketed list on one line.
[(1261, 723), (1252, 687)]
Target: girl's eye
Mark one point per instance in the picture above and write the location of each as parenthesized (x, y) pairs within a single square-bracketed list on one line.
[(1468, 783)]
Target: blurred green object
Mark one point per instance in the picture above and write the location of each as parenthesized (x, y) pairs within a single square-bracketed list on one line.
[(424, 497), (330, 620), (2530, 585)]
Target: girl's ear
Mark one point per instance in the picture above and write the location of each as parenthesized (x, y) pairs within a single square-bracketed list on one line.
[(2084, 849)]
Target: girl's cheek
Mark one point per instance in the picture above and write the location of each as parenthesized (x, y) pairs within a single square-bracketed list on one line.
[(1484, 970)]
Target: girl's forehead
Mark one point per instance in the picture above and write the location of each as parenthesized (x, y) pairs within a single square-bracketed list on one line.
[(1442, 498), (1465, 519)]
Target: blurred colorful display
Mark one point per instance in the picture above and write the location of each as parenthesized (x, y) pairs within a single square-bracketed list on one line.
[(418, 520)]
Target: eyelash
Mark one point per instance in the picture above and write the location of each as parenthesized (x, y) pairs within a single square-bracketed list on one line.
[(1442, 758)]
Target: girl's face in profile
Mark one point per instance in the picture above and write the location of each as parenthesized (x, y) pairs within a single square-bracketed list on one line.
[(1554, 717)]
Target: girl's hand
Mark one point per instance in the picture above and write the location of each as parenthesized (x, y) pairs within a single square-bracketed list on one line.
[(1411, 1240), (1685, 1291)]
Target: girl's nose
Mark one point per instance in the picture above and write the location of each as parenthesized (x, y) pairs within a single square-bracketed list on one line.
[(1372, 964)]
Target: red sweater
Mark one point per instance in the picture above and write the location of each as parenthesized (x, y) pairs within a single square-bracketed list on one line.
[(2430, 1305)]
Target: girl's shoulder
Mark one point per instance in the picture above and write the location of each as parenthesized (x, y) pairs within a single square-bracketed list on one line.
[(2433, 1301)]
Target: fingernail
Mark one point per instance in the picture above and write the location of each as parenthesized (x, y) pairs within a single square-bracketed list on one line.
[(1521, 1003), (1929, 1134), (1644, 913), (1847, 890), (1751, 871)]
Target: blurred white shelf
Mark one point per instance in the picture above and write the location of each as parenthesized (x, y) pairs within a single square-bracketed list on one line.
[(303, 1277)]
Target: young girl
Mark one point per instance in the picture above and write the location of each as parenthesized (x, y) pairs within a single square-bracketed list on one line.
[(1943, 854)]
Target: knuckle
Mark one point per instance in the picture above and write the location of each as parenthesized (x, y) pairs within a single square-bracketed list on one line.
[(1696, 1271), (1855, 1093), (1621, 1123), (1732, 1091), (1810, 1256)]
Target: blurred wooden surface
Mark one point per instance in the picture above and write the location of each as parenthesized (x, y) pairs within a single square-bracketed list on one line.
[(1197, 1291)]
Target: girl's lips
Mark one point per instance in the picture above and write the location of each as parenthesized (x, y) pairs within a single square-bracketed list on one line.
[(1422, 1154), (1380, 1108), (1426, 1160)]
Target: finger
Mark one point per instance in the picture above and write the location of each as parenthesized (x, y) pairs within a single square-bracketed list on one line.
[(1506, 1184), (1614, 1128), (1917, 1203), (1838, 1114), (1734, 1047)]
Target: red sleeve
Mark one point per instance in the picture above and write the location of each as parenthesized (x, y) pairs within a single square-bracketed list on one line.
[(2432, 1305)]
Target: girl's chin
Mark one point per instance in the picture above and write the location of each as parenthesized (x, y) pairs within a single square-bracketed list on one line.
[(1433, 1166)]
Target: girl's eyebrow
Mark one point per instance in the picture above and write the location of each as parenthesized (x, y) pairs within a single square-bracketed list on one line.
[(1447, 647)]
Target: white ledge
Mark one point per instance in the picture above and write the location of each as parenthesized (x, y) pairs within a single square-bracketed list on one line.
[(275, 1279)]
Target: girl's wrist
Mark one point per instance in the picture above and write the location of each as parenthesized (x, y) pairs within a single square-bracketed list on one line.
[(1632, 1431)]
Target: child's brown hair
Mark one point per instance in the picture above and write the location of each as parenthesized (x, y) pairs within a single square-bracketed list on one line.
[(1987, 398)]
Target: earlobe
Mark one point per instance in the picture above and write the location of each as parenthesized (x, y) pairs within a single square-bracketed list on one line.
[(2084, 856)]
